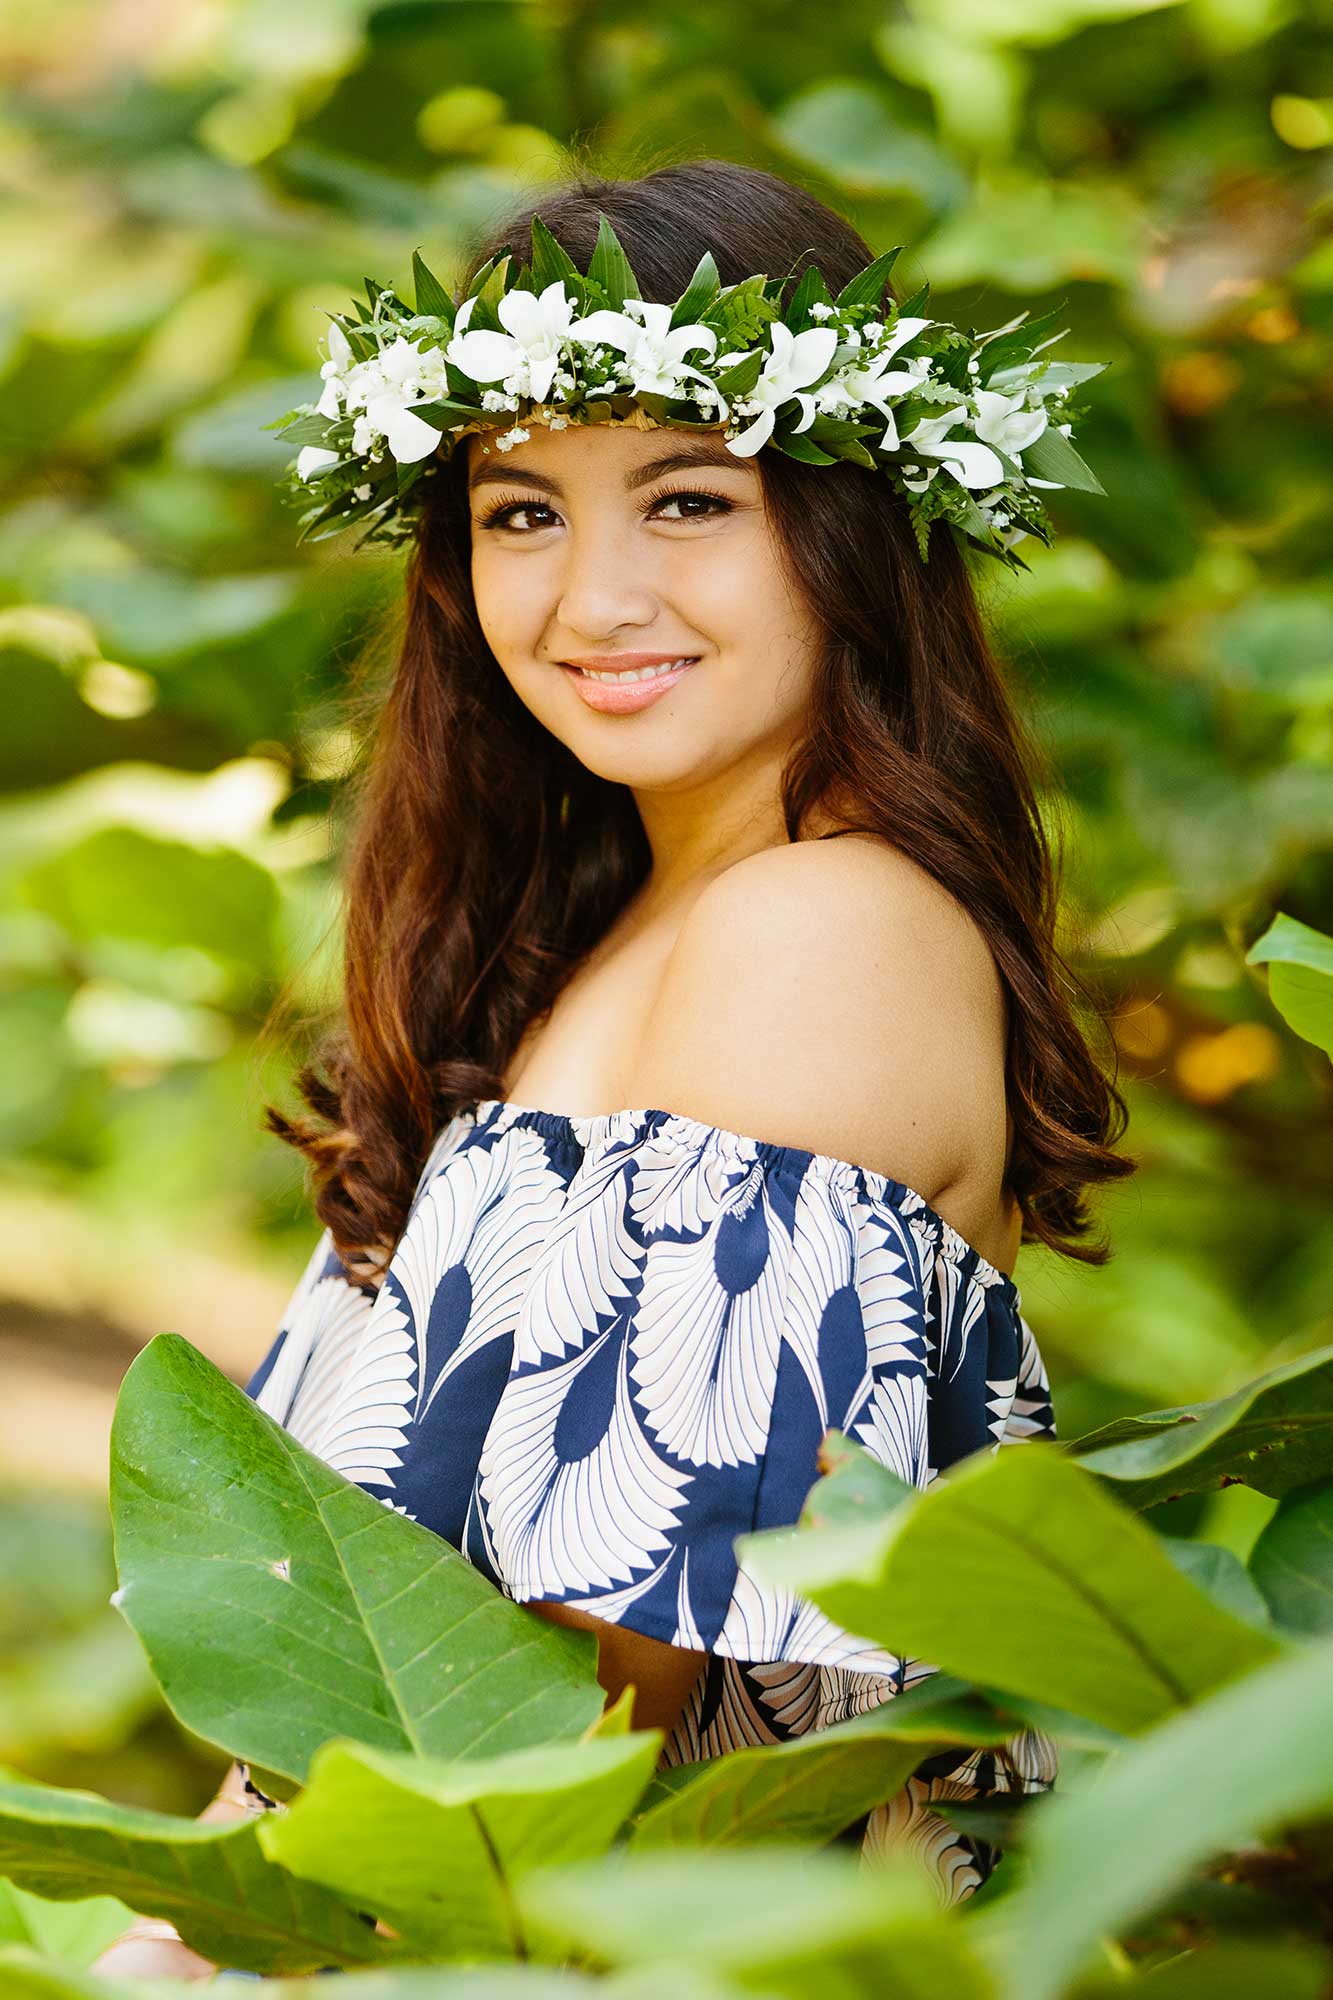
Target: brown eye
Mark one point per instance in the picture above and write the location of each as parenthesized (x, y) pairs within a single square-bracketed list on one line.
[(498, 515), (502, 512), (714, 502)]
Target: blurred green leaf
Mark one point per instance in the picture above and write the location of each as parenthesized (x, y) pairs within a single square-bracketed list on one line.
[(1025, 234), (1280, 644), (1275, 1433), (1222, 1774), (781, 1921), (1292, 1560), (157, 617), (119, 882), (848, 130)]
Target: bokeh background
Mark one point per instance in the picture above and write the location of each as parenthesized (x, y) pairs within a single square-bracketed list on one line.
[(185, 187)]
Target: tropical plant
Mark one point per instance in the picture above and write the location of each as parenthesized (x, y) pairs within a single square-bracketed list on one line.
[(452, 1792)]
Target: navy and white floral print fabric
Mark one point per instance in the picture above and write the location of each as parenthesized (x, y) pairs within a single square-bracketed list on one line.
[(607, 1346)]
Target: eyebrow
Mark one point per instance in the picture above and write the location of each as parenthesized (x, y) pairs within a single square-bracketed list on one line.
[(684, 458)]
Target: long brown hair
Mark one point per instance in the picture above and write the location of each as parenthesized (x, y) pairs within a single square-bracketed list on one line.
[(483, 861)]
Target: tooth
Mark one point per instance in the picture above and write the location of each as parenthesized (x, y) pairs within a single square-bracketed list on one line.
[(641, 673)]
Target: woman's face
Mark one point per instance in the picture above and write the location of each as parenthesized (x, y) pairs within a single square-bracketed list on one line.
[(603, 540)]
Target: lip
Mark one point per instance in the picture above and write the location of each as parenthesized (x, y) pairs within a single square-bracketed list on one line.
[(620, 663), (607, 698)]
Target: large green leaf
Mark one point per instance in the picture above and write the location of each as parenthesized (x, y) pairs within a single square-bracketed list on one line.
[(814, 1785), (212, 1880), (281, 1605), (1256, 1756), (1292, 1560), (1004, 1545), (1275, 1433), (777, 1919), (436, 1847)]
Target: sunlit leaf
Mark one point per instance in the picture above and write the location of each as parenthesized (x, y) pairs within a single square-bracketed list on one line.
[(436, 1848), (1005, 1544), (1300, 978)]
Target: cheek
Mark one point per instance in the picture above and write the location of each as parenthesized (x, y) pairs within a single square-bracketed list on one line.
[(739, 595), (507, 598)]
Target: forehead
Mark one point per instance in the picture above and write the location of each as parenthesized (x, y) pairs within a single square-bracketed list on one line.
[(550, 459)]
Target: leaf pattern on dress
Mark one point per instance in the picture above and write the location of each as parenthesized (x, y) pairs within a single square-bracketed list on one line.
[(708, 1331), (588, 1519)]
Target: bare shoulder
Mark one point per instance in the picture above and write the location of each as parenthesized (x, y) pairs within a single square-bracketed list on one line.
[(831, 994)]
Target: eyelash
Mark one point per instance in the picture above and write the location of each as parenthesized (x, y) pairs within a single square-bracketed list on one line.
[(492, 518)]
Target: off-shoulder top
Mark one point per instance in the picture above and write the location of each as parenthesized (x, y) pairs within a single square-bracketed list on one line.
[(606, 1346)]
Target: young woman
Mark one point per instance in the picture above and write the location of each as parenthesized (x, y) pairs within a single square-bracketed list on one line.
[(707, 1050)]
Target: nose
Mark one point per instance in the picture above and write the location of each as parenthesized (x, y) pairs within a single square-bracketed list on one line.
[(602, 588)]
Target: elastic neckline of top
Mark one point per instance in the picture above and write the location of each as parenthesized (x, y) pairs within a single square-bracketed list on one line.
[(793, 1159)]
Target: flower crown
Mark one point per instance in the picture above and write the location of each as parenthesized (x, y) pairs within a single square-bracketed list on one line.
[(966, 426)]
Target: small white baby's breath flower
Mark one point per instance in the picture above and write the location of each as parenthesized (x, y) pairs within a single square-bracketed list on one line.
[(819, 310), (514, 435)]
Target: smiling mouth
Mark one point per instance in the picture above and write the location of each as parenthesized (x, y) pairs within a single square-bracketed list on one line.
[(631, 674)]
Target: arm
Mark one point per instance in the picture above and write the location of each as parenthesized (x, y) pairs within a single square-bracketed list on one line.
[(833, 996)]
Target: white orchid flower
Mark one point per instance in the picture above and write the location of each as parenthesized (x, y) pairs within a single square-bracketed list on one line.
[(654, 350), (408, 437), (900, 382), (313, 458), (538, 326), (972, 464), (873, 382), (796, 360), (340, 355), (1007, 422), (384, 389)]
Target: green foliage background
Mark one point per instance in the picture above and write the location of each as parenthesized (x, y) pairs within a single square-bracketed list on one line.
[(185, 191)]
